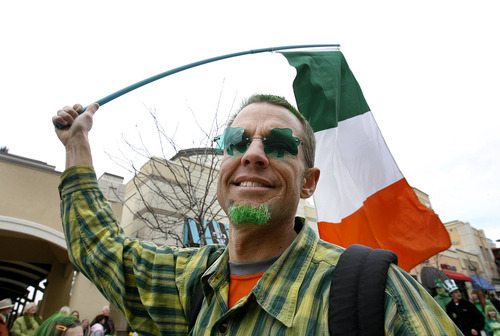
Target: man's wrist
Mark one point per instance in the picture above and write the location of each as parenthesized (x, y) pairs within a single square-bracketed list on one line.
[(78, 154)]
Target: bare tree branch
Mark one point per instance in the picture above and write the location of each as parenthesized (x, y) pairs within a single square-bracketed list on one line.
[(170, 192)]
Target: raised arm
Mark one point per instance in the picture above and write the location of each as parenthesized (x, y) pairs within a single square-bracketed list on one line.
[(74, 137)]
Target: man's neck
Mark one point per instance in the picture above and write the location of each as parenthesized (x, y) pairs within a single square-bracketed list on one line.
[(251, 243)]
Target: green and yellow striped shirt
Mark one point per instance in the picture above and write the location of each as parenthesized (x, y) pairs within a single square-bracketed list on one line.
[(152, 286)]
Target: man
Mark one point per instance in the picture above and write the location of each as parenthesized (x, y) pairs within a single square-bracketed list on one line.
[(108, 324), (442, 296), (274, 276), (5, 308), (462, 312)]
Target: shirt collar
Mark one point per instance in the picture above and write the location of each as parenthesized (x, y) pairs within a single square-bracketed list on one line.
[(278, 289)]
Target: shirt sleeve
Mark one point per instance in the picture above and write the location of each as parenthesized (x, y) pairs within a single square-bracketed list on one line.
[(410, 310), (146, 283)]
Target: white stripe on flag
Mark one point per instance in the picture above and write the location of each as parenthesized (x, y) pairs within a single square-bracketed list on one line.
[(355, 163)]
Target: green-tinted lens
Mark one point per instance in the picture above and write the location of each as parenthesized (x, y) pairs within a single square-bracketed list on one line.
[(281, 140), (230, 140)]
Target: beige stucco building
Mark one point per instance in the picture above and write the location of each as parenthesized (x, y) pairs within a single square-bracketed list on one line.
[(33, 247)]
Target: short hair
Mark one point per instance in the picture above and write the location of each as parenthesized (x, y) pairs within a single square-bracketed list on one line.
[(307, 135), (56, 325)]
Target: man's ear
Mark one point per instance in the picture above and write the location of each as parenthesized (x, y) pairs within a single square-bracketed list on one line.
[(309, 183)]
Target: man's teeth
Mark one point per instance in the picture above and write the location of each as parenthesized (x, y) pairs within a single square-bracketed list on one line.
[(251, 184)]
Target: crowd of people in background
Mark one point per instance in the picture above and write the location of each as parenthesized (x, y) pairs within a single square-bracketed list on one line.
[(65, 322), (479, 316)]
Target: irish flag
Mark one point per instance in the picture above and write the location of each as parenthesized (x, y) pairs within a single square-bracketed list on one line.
[(362, 197)]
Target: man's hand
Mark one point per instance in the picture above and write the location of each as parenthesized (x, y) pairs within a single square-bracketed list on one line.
[(75, 124), (74, 136)]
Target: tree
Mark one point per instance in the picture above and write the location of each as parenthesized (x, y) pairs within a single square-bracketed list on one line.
[(165, 194)]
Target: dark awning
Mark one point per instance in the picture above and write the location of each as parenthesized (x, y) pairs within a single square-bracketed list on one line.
[(429, 275), (481, 283), (457, 276)]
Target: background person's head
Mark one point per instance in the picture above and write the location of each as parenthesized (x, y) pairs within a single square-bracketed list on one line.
[(478, 295), (99, 319), (490, 313), (6, 306), (30, 309), (440, 287), (60, 325), (85, 323), (106, 310), (441, 291), (76, 314), (456, 295), (65, 310)]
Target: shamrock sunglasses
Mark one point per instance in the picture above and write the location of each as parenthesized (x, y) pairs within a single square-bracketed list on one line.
[(280, 140)]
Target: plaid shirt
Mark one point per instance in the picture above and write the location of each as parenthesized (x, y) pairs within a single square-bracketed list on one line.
[(152, 286)]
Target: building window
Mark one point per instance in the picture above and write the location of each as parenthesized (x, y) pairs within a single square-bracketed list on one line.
[(215, 232)]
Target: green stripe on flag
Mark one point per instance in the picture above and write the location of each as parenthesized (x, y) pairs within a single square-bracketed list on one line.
[(325, 88)]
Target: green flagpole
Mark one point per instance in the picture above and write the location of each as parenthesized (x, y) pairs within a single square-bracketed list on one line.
[(132, 87)]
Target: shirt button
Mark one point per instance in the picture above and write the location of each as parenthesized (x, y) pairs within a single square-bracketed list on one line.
[(223, 327)]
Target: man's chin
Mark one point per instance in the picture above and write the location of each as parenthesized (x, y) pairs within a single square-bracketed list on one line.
[(249, 214)]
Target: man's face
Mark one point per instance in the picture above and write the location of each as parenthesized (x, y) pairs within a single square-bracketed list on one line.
[(5, 311), (456, 295), (255, 178), (441, 291), (105, 312)]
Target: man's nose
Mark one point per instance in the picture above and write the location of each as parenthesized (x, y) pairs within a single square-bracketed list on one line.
[(255, 154)]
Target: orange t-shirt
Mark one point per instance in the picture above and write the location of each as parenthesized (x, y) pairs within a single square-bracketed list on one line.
[(240, 286)]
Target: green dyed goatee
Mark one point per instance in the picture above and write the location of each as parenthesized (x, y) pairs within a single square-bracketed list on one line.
[(247, 214)]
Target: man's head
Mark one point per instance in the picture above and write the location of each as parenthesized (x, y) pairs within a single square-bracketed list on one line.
[(5, 306), (105, 310), (456, 295), (307, 133), (266, 166)]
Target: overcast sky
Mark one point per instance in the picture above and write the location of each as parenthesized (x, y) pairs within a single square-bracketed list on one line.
[(429, 71)]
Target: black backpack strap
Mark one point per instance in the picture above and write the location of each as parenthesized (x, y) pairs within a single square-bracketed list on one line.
[(357, 291), (196, 302)]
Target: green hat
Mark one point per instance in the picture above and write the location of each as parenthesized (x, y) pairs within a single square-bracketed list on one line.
[(450, 286), (439, 283)]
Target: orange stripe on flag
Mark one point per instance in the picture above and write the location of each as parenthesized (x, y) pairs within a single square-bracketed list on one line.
[(392, 219)]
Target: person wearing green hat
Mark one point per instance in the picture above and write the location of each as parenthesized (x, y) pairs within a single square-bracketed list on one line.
[(442, 296), (462, 312)]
